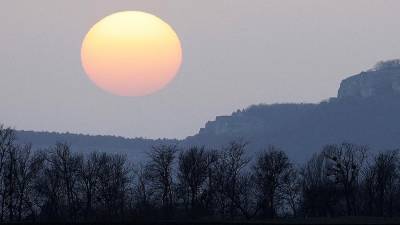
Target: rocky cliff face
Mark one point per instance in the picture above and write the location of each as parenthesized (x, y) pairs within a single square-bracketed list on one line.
[(383, 80), (365, 112)]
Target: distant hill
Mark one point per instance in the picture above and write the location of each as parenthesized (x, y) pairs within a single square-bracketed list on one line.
[(134, 148), (366, 111)]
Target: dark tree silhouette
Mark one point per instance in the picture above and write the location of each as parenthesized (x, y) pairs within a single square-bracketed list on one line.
[(229, 172), (58, 184), (381, 183), (192, 175), (318, 190), (89, 183), (7, 139), (345, 161), (272, 172), (160, 175), (28, 167), (114, 185)]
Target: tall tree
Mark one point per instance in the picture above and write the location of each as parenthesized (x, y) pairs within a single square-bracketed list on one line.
[(382, 183), (229, 172), (160, 174), (7, 139), (28, 167), (192, 174), (115, 176), (271, 172), (89, 182), (59, 183), (319, 195), (345, 163)]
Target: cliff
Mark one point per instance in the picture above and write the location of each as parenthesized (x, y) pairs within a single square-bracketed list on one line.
[(365, 111), (383, 80)]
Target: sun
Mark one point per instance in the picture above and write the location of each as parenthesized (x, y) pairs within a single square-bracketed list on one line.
[(131, 53)]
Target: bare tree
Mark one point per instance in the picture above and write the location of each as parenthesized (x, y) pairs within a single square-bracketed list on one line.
[(381, 183), (318, 190), (10, 181), (345, 163), (89, 181), (229, 172), (114, 185), (28, 166), (247, 201), (210, 194), (192, 174), (159, 170), (142, 195), (18, 171), (59, 183), (272, 171), (7, 139), (290, 191)]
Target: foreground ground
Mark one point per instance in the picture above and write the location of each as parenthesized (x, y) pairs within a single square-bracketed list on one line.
[(341, 220)]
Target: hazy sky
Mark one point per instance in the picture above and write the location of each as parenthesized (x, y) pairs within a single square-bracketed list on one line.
[(236, 53)]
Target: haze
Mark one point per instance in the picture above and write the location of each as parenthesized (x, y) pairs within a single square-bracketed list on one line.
[(236, 53)]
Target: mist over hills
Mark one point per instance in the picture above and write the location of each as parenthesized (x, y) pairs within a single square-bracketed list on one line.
[(134, 148), (365, 111)]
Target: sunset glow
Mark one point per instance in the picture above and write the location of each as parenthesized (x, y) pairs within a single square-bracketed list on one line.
[(131, 53)]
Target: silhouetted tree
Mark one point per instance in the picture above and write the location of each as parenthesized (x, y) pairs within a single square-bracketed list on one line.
[(60, 181), (160, 174), (142, 194), (229, 172), (89, 182), (58, 184), (272, 172), (7, 139), (28, 167), (345, 163), (319, 196), (114, 186), (290, 191), (192, 174), (381, 183), (210, 193)]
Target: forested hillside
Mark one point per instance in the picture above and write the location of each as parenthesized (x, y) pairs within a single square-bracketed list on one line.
[(366, 111)]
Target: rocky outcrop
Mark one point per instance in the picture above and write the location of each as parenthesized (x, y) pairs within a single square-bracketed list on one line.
[(383, 80), (365, 112)]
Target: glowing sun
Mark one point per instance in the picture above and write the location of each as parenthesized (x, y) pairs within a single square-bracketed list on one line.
[(131, 53)]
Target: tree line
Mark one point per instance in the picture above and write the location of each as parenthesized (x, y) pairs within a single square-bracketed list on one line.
[(57, 184)]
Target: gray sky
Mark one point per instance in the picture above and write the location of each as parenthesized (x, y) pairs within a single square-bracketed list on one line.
[(236, 53)]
